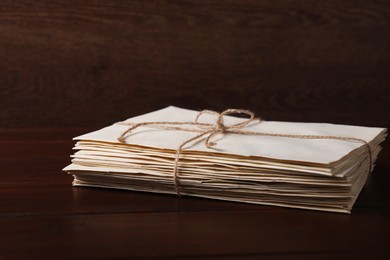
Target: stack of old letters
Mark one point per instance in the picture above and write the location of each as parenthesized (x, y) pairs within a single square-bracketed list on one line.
[(173, 150)]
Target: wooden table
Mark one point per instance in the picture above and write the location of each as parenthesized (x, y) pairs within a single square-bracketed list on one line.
[(42, 215)]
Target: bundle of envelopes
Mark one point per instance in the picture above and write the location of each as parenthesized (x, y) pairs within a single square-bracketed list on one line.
[(278, 169)]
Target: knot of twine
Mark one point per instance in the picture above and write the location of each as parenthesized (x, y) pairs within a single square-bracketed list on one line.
[(207, 131)]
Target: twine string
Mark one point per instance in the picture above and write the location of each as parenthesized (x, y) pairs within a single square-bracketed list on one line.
[(208, 131)]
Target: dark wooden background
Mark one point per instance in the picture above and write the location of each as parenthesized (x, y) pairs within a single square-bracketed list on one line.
[(68, 67), (91, 63)]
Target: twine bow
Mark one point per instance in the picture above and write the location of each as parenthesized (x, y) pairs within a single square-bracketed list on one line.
[(208, 130)]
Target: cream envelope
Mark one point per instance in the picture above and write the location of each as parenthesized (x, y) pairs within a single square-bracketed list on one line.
[(322, 151)]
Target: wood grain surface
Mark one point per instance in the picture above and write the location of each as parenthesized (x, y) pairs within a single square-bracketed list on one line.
[(70, 67), (43, 216), (93, 62)]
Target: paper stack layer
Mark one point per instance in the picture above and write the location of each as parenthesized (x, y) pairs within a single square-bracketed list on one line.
[(318, 174)]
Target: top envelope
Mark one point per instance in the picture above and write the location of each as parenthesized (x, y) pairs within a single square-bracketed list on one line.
[(311, 151)]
